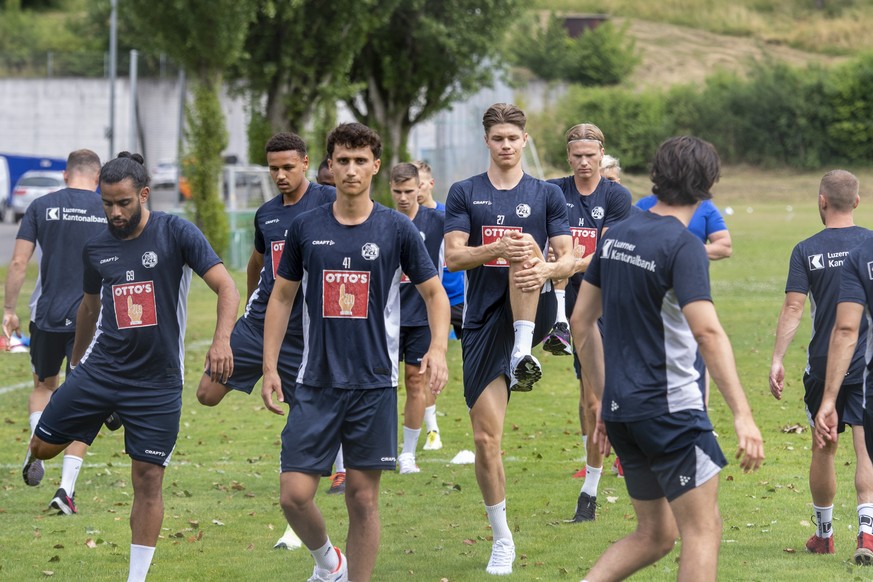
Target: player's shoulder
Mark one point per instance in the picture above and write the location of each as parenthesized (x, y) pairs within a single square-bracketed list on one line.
[(468, 185), (321, 193), (560, 182), (614, 189)]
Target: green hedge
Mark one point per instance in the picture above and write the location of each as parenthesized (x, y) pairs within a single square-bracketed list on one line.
[(775, 115)]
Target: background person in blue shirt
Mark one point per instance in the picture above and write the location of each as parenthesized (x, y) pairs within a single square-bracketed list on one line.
[(707, 224)]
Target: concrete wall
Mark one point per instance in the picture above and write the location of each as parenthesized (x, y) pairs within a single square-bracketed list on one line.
[(51, 117)]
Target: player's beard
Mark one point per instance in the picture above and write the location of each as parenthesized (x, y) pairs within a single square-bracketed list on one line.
[(128, 229)]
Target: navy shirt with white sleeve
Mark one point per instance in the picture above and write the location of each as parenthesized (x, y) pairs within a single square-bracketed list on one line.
[(476, 207), (815, 269), (143, 285), (350, 282), (60, 224), (648, 268), (856, 286)]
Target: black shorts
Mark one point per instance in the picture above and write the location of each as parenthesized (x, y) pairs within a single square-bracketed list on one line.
[(868, 432), (414, 343), (487, 349), (48, 349), (79, 406), (247, 345), (363, 420), (458, 320), (668, 455), (849, 404)]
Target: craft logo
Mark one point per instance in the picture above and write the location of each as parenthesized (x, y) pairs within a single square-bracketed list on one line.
[(134, 305), (345, 294), (492, 234), (276, 249), (149, 259), (584, 241)]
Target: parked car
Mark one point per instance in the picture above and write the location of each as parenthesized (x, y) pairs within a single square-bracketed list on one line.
[(32, 185)]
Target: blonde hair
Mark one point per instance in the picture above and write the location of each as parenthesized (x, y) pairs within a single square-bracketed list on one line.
[(585, 132)]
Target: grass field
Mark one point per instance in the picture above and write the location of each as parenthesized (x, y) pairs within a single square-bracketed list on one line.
[(222, 514)]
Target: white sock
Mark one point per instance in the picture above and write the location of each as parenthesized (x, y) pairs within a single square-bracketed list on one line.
[(140, 560), (339, 464), (523, 337), (561, 296), (584, 447), (824, 517), (69, 473), (34, 420), (592, 480), (497, 519), (326, 557), (410, 440), (865, 518), (430, 419)]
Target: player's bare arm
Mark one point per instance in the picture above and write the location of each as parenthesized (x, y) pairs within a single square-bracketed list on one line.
[(275, 324), (589, 348), (719, 245), (86, 325), (786, 327), (844, 338), (536, 271), (719, 357), (14, 280), (219, 358), (512, 246), (253, 272), (433, 364)]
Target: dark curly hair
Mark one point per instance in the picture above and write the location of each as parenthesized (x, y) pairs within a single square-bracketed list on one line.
[(684, 170), (354, 136), (126, 165)]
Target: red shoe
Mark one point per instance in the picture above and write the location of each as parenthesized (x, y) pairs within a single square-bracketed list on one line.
[(617, 468), (864, 553), (580, 474), (818, 545)]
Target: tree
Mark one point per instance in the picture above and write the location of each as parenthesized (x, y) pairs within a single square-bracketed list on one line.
[(297, 60), (206, 38), (430, 54)]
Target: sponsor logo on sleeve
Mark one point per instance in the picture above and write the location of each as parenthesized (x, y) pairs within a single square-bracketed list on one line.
[(134, 305), (345, 294), (492, 234), (276, 248), (870, 270), (584, 241)]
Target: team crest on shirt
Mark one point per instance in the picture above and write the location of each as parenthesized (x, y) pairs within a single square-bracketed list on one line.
[(370, 251), (134, 305), (492, 234), (597, 212), (149, 259), (276, 248), (522, 210), (584, 241), (345, 294)]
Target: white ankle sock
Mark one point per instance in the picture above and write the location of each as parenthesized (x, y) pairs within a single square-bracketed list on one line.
[(69, 473), (410, 440), (34, 420), (326, 557), (523, 337), (561, 296), (140, 560), (497, 519), (592, 480), (865, 518), (824, 516), (430, 419)]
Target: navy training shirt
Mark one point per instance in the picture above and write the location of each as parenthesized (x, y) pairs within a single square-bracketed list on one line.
[(430, 224)]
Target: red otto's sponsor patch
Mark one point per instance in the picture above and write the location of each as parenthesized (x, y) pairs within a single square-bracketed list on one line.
[(134, 305), (492, 234), (276, 248), (345, 294), (584, 241), (404, 278)]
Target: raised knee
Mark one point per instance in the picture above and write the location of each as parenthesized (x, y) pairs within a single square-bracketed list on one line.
[(209, 394), (42, 450)]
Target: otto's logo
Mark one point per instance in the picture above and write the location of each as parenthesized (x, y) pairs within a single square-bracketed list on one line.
[(597, 213), (276, 248), (492, 234), (134, 305), (370, 251), (816, 262), (149, 259), (522, 210), (345, 294), (53, 213), (584, 241)]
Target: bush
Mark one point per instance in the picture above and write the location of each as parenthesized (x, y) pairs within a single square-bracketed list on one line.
[(850, 131)]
